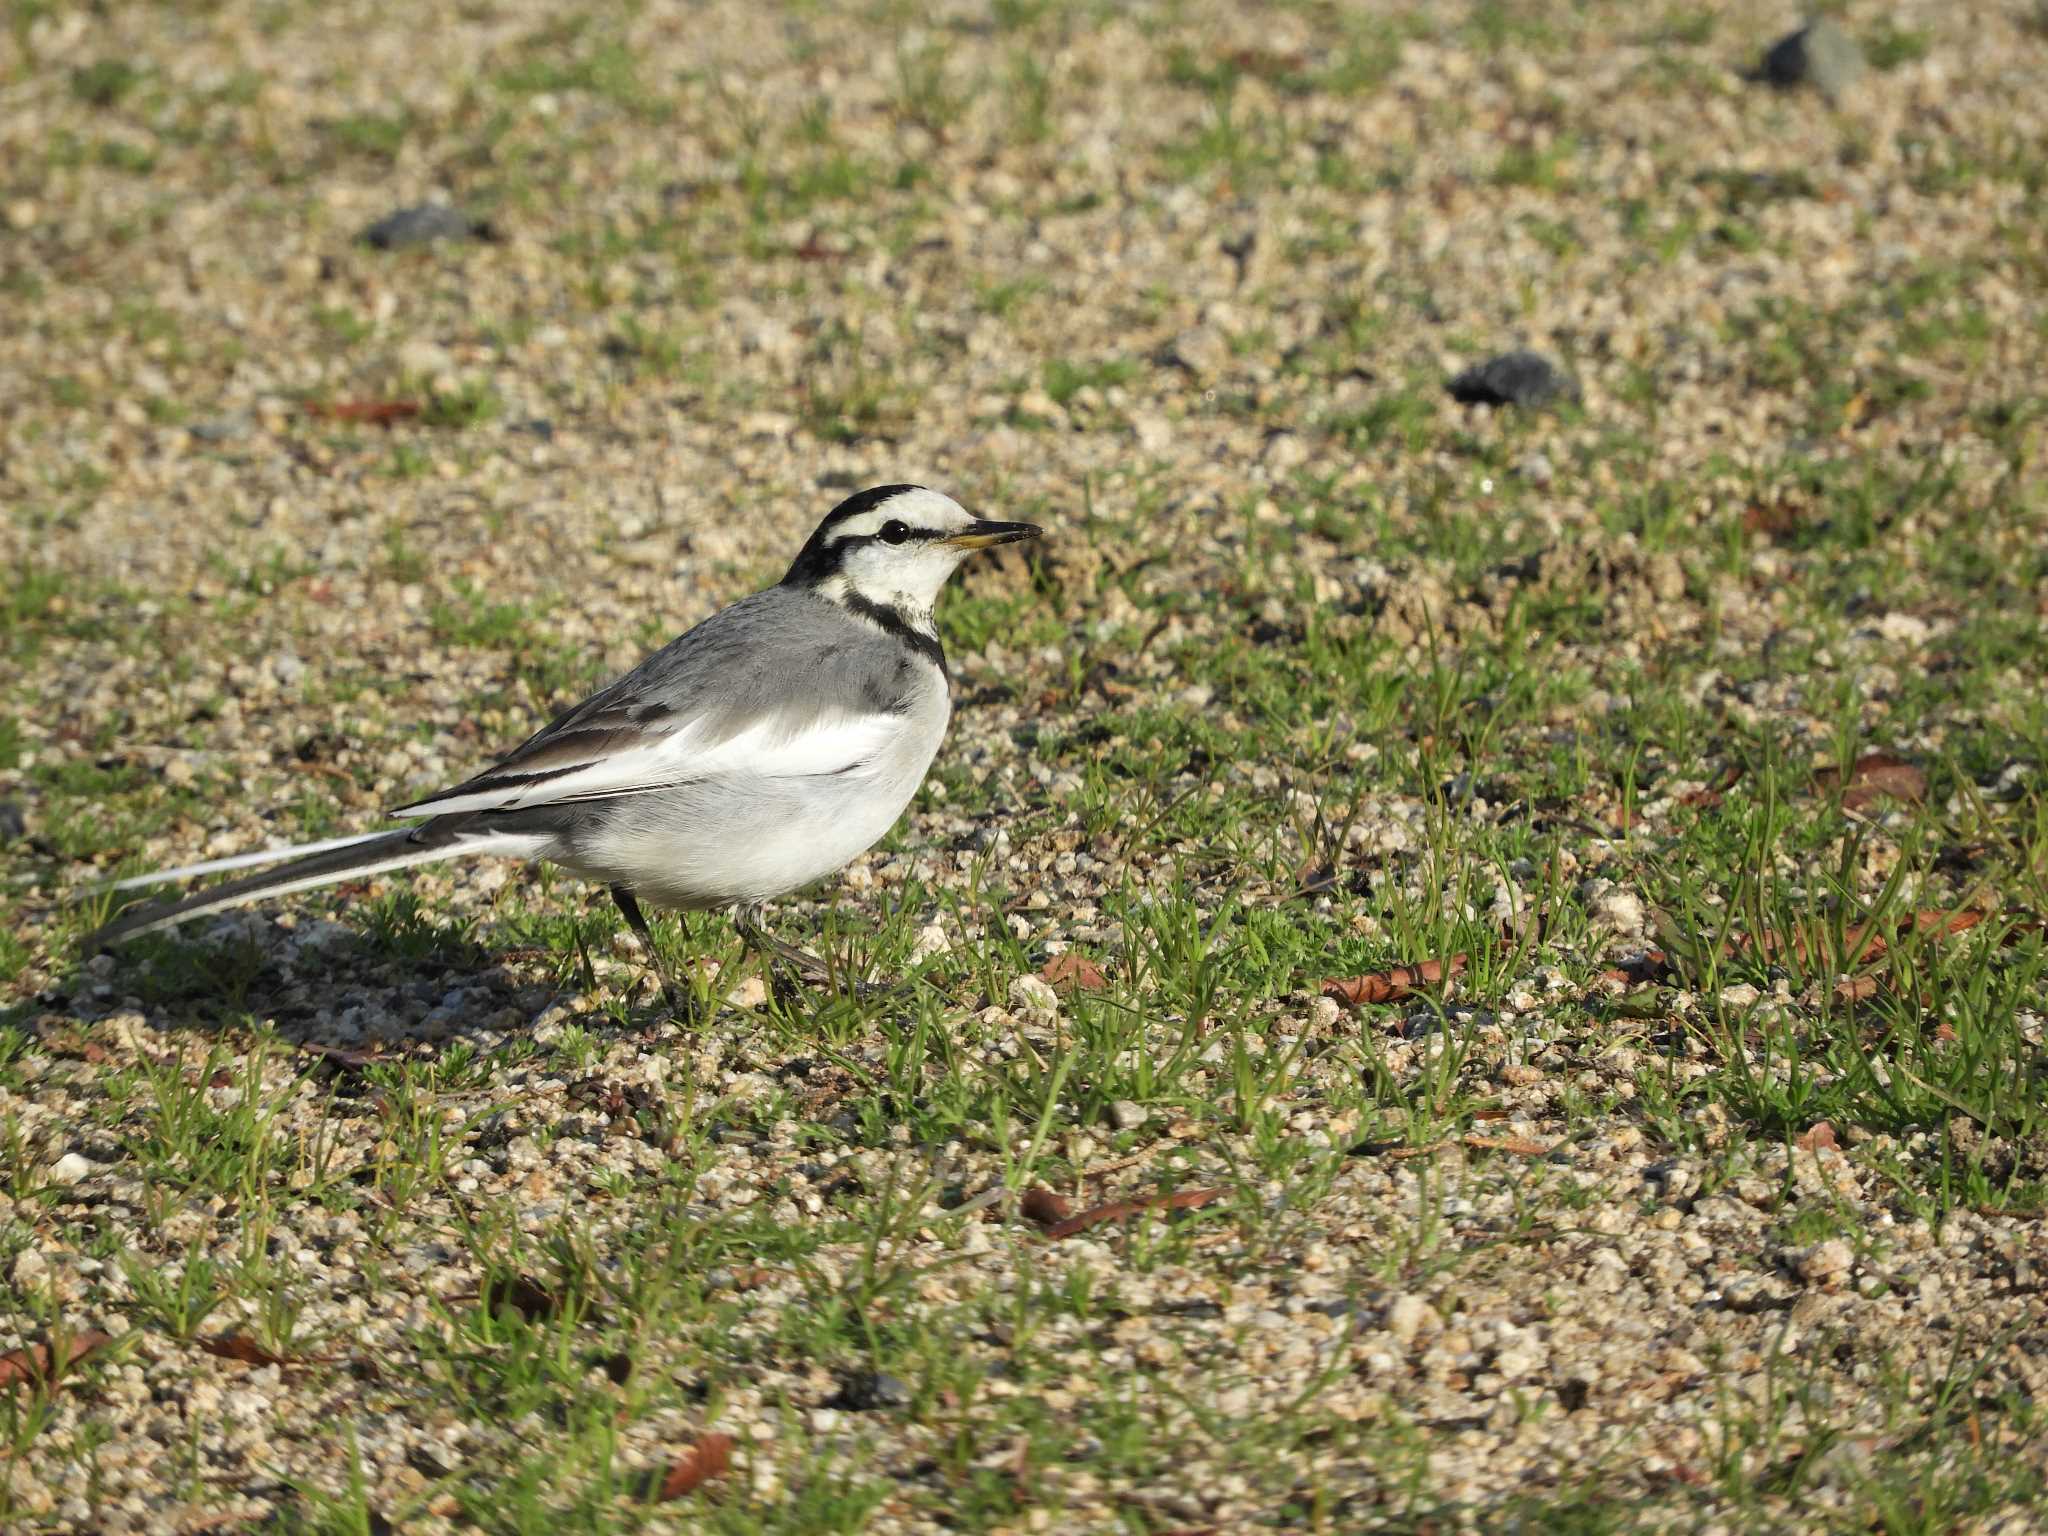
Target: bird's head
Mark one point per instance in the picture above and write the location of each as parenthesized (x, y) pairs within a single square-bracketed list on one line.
[(895, 545)]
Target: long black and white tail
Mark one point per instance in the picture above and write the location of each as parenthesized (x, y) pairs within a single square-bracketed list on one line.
[(311, 864)]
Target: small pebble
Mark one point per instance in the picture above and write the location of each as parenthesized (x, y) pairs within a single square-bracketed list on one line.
[(1408, 1316), (423, 359), (1202, 351), (1820, 54), (423, 224), (867, 1391), (1153, 432), (1514, 378), (1822, 1263), (1748, 1294), (1034, 997)]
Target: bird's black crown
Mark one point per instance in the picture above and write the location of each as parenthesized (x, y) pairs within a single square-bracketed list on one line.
[(820, 556)]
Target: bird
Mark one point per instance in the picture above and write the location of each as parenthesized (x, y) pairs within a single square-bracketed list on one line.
[(752, 755)]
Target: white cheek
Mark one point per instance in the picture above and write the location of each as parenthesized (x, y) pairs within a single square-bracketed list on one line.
[(928, 573)]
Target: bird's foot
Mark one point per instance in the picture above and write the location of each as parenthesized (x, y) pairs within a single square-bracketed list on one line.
[(789, 972), (772, 952), (787, 984)]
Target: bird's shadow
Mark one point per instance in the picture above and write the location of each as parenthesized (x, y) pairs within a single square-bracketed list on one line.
[(390, 979), (330, 986)]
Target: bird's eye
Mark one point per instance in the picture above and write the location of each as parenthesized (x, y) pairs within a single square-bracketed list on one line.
[(894, 531)]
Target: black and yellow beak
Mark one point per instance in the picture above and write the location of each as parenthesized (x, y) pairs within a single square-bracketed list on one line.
[(986, 535)]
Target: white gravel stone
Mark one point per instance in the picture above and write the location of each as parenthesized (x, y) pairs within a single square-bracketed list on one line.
[(1409, 1316), (1823, 1263), (1034, 997)]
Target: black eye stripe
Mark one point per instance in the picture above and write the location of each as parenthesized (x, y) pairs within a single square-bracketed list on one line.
[(910, 536)]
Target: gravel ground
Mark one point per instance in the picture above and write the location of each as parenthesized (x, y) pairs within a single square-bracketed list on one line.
[(1673, 1204)]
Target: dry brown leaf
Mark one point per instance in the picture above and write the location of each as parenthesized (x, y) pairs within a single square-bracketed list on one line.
[(521, 1295), (1861, 942), (376, 413), (1123, 1210), (1702, 799), (1518, 1146), (72, 1042), (239, 1346), (709, 1458), (1945, 925), (1775, 520), (1872, 777), (1855, 989), (1041, 1205), (41, 1365), (1393, 985), (1072, 970), (1816, 1136), (1267, 65)]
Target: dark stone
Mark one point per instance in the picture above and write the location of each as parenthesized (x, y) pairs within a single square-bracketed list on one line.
[(422, 225), (13, 822), (1820, 54), (866, 1391), (1514, 378)]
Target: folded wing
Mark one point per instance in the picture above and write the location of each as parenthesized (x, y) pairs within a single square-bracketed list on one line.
[(601, 757), (776, 686)]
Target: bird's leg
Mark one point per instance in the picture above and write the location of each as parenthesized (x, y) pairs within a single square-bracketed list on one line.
[(772, 951), (629, 907)]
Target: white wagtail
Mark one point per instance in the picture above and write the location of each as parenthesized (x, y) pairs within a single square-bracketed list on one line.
[(760, 751)]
